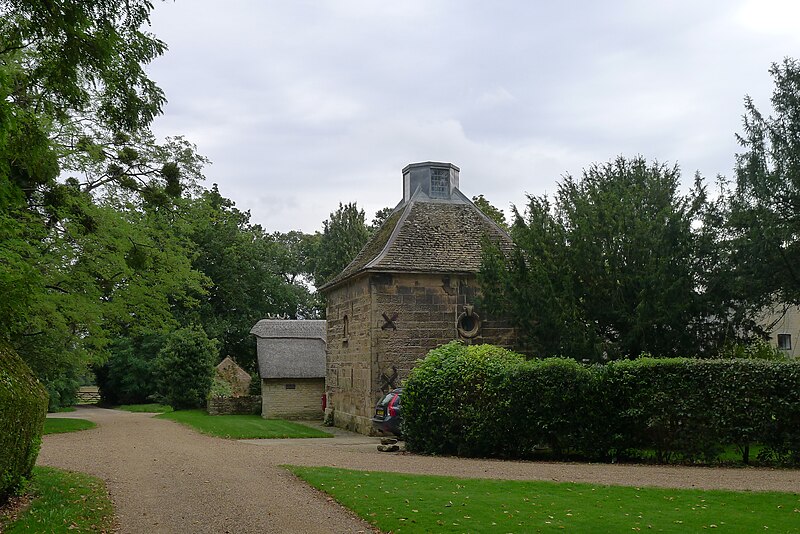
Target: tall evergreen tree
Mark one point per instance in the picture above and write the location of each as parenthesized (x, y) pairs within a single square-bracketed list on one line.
[(616, 266), (765, 208), (342, 237)]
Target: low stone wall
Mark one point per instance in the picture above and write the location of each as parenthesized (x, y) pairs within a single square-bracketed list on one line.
[(249, 405)]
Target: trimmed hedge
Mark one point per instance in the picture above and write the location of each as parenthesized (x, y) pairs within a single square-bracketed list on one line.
[(455, 401), (486, 401), (23, 406)]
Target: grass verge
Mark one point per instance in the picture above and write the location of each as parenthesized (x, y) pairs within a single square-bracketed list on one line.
[(242, 426), (63, 501), (422, 503), (145, 408), (60, 425)]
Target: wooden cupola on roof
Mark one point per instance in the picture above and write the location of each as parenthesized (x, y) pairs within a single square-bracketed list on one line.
[(434, 229)]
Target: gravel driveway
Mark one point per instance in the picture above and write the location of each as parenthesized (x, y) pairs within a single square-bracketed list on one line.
[(164, 477)]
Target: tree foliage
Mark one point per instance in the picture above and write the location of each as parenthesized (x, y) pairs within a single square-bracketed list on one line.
[(184, 368), (380, 217), (75, 106), (129, 376), (78, 54), (616, 266), (343, 236), (765, 206), (491, 211), (107, 238), (252, 274)]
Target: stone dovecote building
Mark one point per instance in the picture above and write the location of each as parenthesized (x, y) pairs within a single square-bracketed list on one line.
[(410, 289)]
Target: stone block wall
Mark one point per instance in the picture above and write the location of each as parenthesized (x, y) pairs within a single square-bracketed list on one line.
[(349, 355), (428, 308), (246, 405), (394, 320), (292, 398)]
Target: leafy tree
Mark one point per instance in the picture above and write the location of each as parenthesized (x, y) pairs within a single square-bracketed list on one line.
[(293, 257), (106, 269), (85, 190), (765, 208), (343, 236), (185, 368), (74, 90), (252, 273), (80, 54), (129, 376), (380, 217), (614, 267), (87, 195), (490, 211), (294, 253), (630, 241)]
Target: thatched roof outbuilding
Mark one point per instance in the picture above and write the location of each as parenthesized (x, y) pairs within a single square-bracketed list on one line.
[(290, 348)]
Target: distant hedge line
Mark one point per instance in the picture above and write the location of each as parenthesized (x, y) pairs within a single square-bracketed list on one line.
[(23, 405), (486, 401)]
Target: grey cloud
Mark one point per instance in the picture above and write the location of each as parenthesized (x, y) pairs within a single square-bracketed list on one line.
[(301, 105)]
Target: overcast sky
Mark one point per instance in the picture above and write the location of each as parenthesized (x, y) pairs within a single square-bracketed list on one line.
[(301, 105)]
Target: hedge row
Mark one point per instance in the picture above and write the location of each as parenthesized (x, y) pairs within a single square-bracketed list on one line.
[(23, 405), (486, 401)]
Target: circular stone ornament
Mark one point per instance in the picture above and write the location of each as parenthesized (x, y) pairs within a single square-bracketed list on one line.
[(468, 323)]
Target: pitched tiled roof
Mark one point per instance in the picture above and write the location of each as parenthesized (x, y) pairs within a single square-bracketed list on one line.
[(425, 235)]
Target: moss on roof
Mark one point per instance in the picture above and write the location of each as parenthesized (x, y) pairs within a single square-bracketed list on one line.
[(426, 236)]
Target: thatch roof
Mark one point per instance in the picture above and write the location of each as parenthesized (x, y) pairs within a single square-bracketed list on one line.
[(290, 348), (289, 328)]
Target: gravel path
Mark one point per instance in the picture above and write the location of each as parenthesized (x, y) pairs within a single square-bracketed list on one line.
[(164, 477)]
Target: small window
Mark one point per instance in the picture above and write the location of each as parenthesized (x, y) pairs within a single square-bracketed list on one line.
[(440, 183), (785, 341), (291, 386), (346, 327)]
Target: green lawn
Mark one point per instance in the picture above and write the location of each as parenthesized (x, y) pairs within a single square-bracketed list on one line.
[(242, 426), (64, 502), (60, 425), (415, 503), (145, 408)]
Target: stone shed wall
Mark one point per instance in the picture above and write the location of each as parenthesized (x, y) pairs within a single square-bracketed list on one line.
[(423, 310), (245, 405), (292, 398)]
